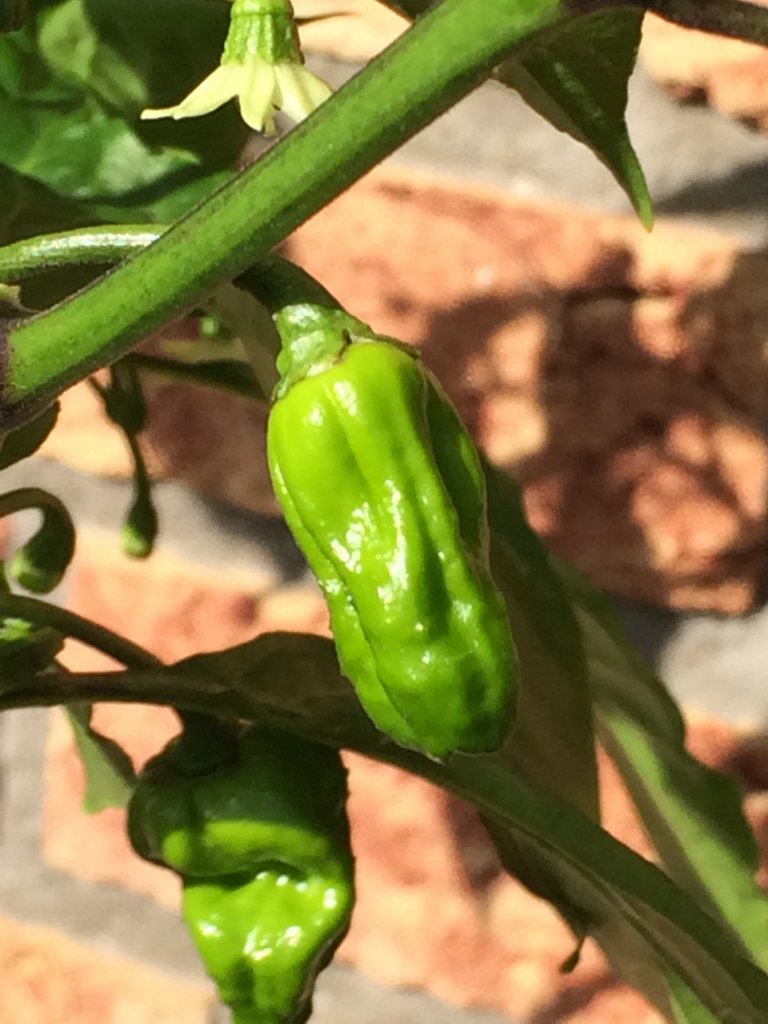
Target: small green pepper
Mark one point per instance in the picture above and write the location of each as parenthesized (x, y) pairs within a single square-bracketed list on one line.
[(382, 488), (261, 842)]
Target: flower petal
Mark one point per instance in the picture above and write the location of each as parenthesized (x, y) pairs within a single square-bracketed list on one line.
[(257, 101), (299, 91), (220, 86)]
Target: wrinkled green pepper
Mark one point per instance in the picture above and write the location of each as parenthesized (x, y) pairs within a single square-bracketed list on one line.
[(382, 488), (261, 842)]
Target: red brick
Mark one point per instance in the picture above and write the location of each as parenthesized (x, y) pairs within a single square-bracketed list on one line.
[(731, 75), (362, 32), (434, 910), (49, 977), (620, 375)]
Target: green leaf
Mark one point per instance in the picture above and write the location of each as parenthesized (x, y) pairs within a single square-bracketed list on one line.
[(575, 75), (109, 773), (180, 44), (69, 42), (655, 934), (693, 814), (20, 444), (552, 743), (69, 104), (659, 942), (25, 649)]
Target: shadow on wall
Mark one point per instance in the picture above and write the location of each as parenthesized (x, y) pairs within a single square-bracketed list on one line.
[(634, 419)]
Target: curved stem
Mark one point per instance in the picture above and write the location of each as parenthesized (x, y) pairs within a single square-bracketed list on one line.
[(441, 58), (40, 563), (41, 613), (81, 247), (32, 498)]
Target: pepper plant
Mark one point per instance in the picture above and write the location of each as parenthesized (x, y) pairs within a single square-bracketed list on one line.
[(462, 651)]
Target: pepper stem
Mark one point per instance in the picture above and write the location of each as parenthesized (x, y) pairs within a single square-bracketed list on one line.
[(314, 329)]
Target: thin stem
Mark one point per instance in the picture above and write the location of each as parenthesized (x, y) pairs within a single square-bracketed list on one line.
[(736, 19), (237, 306), (139, 686), (98, 245), (226, 374), (31, 497), (71, 625), (441, 58)]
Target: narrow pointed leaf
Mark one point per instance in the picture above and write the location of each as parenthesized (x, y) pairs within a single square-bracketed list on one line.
[(108, 770), (575, 74), (552, 743), (693, 814)]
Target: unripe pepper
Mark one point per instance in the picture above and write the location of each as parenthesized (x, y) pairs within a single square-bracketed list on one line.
[(382, 488), (261, 842)]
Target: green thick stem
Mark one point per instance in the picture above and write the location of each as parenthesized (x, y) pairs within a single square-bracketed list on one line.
[(444, 55)]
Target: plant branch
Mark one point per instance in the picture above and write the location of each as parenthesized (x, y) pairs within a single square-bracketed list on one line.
[(441, 58), (82, 247), (25, 498), (225, 374), (54, 688), (736, 19), (41, 613)]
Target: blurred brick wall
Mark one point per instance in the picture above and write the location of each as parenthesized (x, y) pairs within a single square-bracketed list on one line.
[(696, 68), (621, 375), (435, 911)]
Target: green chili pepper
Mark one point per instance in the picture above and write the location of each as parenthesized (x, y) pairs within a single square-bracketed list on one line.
[(261, 842), (382, 488)]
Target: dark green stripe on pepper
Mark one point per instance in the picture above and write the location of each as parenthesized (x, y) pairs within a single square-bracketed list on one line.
[(261, 842), (381, 486)]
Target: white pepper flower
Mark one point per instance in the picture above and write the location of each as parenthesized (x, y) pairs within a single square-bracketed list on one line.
[(262, 66)]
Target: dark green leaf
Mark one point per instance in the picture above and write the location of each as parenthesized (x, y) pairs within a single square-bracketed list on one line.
[(693, 815), (109, 772), (656, 935), (72, 84), (575, 75), (20, 444), (658, 941), (69, 43), (552, 743), (25, 650), (12, 14)]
